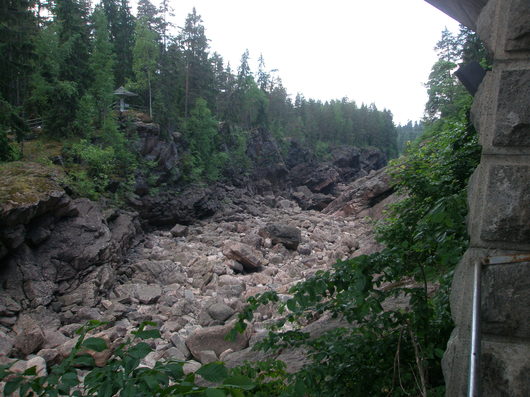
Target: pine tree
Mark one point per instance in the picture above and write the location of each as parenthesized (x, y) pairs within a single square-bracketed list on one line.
[(145, 61), (18, 27), (121, 26), (198, 74), (101, 68), (201, 133)]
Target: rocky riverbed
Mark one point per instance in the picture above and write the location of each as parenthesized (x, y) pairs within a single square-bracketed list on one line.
[(192, 280)]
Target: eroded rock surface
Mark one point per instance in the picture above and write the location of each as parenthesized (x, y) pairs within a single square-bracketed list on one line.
[(191, 279)]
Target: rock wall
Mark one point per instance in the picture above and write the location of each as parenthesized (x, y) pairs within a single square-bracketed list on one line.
[(54, 247), (499, 219)]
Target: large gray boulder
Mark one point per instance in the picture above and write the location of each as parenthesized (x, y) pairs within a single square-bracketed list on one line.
[(288, 236), (249, 257), (361, 194), (214, 339)]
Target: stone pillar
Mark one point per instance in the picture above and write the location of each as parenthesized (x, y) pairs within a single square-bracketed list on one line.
[(499, 218)]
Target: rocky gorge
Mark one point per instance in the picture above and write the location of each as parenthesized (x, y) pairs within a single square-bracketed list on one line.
[(186, 261)]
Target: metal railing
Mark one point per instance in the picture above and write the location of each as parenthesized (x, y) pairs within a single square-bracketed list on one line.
[(473, 389)]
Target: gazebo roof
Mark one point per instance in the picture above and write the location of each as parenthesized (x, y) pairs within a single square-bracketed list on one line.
[(123, 92)]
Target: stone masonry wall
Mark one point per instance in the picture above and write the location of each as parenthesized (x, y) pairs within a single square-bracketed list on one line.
[(499, 219)]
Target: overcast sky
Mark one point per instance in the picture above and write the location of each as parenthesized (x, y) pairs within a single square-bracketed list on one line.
[(378, 51)]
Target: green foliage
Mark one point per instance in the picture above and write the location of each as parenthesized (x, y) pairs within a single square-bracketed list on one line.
[(10, 124), (322, 150), (145, 57), (393, 351), (407, 134), (93, 164), (123, 375), (201, 134)]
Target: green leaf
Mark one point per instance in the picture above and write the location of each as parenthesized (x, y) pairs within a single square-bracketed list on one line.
[(140, 350), (239, 381), (70, 379), (175, 370), (291, 305), (237, 393), (11, 386), (84, 360), (96, 344), (31, 371), (213, 372), (147, 334), (214, 393)]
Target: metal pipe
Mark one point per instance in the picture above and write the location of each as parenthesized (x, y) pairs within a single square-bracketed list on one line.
[(474, 357)]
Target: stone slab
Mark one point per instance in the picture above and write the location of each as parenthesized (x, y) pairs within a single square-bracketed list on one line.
[(512, 127), (507, 204), (506, 300), (518, 30), (505, 369)]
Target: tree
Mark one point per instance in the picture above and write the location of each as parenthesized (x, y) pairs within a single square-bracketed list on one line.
[(145, 60), (121, 27), (198, 71), (18, 27), (101, 68), (201, 133), (446, 94), (72, 17)]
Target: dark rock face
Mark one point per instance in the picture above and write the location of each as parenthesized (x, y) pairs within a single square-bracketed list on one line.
[(267, 159), (53, 244), (158, 150), (36, 273), (275, 172), (297, 154), (372, 159), (169, 208)]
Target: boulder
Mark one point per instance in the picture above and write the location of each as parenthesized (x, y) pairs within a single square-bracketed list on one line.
[(220, 311), (179, 231), (6, 344), (361, 194), (214, 338), (249, 257), (288, 236), (29, 336)]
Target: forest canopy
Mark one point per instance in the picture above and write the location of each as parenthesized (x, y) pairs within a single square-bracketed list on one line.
[(62, 61)]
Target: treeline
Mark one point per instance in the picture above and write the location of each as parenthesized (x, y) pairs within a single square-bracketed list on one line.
[(62, 60), (408, 133)]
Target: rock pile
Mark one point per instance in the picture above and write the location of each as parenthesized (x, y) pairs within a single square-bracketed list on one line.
[(192, 280)]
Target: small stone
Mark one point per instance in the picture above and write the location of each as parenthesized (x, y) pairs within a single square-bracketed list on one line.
[(174, 354), (220, 311), (6, 344), (207, 356), (179, 231), (180, 344), (190, 367)]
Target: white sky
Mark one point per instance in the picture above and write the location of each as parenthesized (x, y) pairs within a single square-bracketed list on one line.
[(377, 51)]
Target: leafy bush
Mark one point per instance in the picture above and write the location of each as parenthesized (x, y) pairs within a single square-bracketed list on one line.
[(396, 351), (123, 375), (94, 163)]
